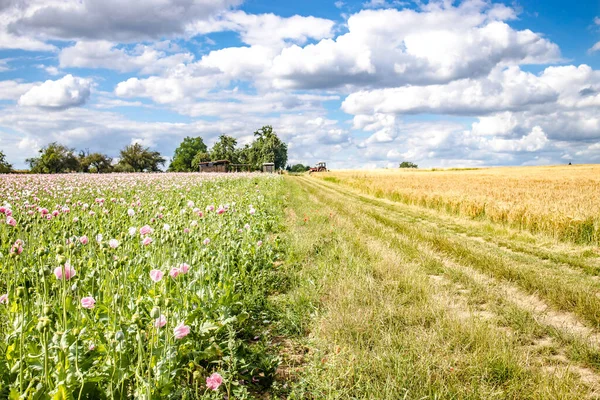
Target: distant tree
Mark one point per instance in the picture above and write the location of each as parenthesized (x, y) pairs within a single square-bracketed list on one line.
[(54, 158), (267, 147), (244, 155), (5, 167), (95, 162), (201, 156), (138, 158), (224, 149), (298, 168), (408, 164), (185, 153)]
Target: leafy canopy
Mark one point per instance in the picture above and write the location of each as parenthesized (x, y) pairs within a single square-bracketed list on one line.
[(184, 154), (95, 162), (136, 158), (5, 167), (408, 164), (54, 158)]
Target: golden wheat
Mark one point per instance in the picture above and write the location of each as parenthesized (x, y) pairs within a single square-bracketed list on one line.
[(561, 201)]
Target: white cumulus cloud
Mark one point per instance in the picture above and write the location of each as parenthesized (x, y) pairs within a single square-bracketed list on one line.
[(63, 93)]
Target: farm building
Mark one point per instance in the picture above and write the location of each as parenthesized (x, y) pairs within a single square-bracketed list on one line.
[(214, 166), (268, 167)]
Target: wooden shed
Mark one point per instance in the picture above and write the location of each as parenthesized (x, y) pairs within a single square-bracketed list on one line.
[(214, 166), (268, 167)]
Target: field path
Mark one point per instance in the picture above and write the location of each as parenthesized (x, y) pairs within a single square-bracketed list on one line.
[(543, 296)]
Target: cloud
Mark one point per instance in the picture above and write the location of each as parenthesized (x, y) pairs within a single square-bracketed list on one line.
[(434, 45), (113, 20), (103, 54), (268, 29), (61, 94), (503, 89), (12, 90), (594, 48)]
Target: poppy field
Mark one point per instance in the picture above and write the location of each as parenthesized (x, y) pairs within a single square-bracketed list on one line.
[(136, 286)]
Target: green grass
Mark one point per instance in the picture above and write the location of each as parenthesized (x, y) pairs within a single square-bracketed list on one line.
[(388, 301)]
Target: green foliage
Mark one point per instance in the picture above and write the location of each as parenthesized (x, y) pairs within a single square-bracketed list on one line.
[(184, 156), (138, 158), (201, 156), (408, 164), (297, 168), (53, 346), (5, 166), (224, 149), (54, 158), (95, 162), (267, 147)]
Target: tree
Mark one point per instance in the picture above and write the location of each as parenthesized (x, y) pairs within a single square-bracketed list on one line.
[(95, 162), (298, 168), (54, 158), (137, 158), (267, 147), (224, 149), (5, 167), (201, 156), (185, 153), (408, 164)]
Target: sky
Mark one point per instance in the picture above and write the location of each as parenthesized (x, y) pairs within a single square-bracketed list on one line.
[(358, 84)]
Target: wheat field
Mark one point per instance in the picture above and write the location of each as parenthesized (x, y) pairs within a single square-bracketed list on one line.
[(559, 201)]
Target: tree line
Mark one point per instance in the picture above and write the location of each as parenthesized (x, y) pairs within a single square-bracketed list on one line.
[(58, 158), (266, 147)]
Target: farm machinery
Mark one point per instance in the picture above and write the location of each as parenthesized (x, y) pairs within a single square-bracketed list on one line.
[(320, 167)]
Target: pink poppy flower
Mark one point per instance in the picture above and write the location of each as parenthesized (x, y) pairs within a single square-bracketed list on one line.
[(247, 226), (194, 223), (92, 347), (184, 268), (259, 243), (220, 210), (113, 243), (206, 241), (210, 208), (130, 212), (67, 274), (2, 210), (75, 219), (147, 240), (200, 214), (196, 210), (186, 230), (190, 204), (174, 272), (83, 240), (44, 211), (252, 211), (55, 213), (214, 381), (11, 221), (146, 230), (132, 231), (88, 302), (160, 321), (156, 275), (181, 331), (4, 298), (66, 210), (8, 212)]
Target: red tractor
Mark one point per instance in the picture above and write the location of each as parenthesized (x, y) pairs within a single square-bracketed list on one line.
[(320, 167)]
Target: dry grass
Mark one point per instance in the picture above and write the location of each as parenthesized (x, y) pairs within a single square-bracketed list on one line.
[(560, 201)]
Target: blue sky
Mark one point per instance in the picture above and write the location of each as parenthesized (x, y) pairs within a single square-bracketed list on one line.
[(360, 84)]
